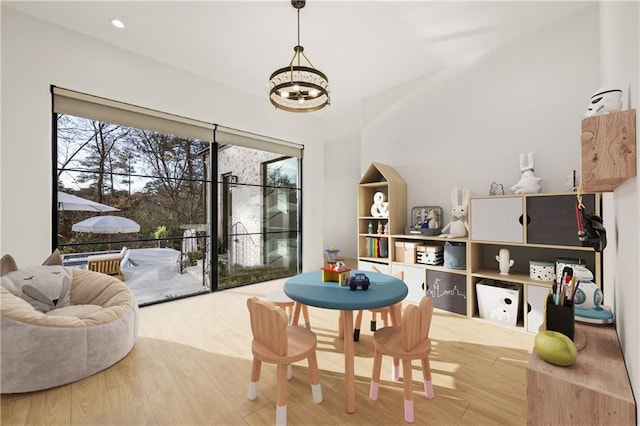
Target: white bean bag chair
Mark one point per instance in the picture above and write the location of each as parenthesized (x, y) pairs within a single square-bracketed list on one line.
[(60, 325)]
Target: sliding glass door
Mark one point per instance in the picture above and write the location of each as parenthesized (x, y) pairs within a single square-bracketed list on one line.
[(259, 215)]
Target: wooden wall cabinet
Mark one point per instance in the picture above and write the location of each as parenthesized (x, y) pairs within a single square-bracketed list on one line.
[(608, 150)]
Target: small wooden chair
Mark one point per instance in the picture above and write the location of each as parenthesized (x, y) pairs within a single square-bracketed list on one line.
[(280, 299), (275, 342), (408, 342), (384, 312)]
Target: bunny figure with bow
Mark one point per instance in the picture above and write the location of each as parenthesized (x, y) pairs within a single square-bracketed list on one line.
[(458, 226)]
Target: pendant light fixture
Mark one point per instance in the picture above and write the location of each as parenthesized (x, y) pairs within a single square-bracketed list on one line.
[(299, 87)]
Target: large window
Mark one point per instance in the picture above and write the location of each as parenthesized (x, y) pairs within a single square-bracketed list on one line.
[(154, 185), (258, 215), (212, 207)]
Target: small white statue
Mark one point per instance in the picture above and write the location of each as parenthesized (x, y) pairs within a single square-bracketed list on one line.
[(504, 261), (458, 227), (528, 183), (605, 100)]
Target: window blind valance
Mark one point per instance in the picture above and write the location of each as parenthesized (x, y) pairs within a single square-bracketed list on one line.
[(67, 101), (230, 136), (97, 108)]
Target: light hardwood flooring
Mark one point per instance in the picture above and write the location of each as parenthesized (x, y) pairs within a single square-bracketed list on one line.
[(192, 361)]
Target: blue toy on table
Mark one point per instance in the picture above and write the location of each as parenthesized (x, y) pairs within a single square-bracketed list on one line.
[(359, 280)]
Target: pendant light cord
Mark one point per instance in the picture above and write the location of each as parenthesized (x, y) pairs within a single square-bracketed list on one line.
[(298, 35)]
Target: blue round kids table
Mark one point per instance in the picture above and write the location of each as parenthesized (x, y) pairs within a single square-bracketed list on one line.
[(309, 289)]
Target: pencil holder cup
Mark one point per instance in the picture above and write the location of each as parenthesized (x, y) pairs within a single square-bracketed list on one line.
[(560, 318)]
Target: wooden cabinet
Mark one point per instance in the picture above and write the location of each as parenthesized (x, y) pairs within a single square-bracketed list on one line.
[(551, 220), (447, 286), (594, 390), (532, 227), (497, 219), (382, 210), (608, 150), (414, 278)]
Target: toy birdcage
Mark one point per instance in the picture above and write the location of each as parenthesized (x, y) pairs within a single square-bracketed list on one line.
[(331, 255), (425, 220)]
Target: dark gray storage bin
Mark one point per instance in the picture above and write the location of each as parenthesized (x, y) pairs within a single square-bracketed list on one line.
[(448, 290)]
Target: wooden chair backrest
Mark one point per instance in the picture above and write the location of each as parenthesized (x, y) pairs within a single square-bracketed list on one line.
[(106, 266), (416, 322), (268, 325), (398, 275)]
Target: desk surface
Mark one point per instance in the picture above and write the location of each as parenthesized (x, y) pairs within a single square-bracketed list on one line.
[(309, 289), (595, 389)]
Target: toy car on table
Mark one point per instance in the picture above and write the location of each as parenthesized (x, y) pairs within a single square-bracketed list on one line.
[(359, 280)]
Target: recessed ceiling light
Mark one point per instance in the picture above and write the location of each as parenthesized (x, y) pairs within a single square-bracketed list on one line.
[(116, 23)]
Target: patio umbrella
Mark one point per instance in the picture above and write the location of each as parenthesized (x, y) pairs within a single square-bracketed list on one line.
[(106, 225), (69, 202)]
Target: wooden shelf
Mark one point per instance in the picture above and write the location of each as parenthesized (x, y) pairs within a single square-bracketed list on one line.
[(547, 235), (374, 184), (374, 259), (380, 179), (418, 237), (515, 277), (559, 247), (433, 267)]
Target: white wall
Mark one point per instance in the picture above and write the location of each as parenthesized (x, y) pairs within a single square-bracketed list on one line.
[(466, 125), (36, 54), (341, 178), (620, 67)]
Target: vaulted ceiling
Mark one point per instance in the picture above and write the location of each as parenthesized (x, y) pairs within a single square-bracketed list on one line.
[(364, 47)]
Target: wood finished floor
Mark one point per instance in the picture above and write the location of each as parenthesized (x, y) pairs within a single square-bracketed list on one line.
[(192, 361)]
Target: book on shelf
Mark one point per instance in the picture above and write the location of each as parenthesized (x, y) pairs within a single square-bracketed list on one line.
[(377, 247)]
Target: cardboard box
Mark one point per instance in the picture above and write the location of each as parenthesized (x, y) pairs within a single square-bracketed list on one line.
[(499, 301), (410, 252), (429, 255), (399, 251)]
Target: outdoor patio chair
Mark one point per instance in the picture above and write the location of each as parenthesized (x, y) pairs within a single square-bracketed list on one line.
[(108, 264), (125, 255)]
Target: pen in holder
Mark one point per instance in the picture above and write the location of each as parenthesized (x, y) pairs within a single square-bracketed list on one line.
[(560, 318)]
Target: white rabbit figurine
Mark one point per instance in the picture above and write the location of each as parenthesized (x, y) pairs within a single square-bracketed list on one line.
[(458, 227), (528, 183)]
